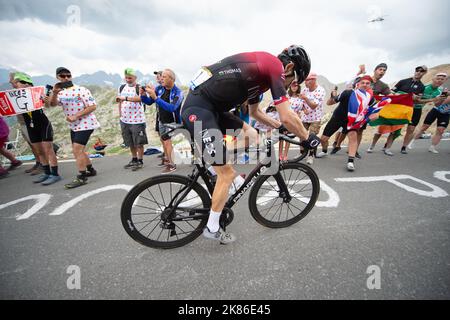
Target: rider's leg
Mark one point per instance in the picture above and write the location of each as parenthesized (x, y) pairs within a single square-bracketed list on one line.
[(225, 176)]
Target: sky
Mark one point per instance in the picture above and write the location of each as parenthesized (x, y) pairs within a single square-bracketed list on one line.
[(110, 35)]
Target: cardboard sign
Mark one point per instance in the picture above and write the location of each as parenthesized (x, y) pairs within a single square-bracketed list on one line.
[(17, 101)]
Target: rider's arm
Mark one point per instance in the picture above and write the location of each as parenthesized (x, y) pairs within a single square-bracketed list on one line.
[(291, 121), (258, 115)]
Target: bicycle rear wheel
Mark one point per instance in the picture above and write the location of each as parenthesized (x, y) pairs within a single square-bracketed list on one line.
[(270, 208), (145, 207)]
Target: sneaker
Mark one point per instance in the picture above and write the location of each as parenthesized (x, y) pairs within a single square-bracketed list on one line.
[(36, 166), (41, 178), (164, 163), (138, 166), (358, 155), (370, 150), (130, 165), (383, 149), (3, 173), (335, 150), (222, 236), (77, 182), (404, 151), (350, 166), (321, 155), (169, 168), (39, 170), (15, 164), (310, 160), (432, 149), (411, 145), (51, 180), (388, 152), (91, 173)]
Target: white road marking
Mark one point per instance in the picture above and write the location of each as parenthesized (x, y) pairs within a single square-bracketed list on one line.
[(66, 206), (41, 201), (441, 175), (435, 192)]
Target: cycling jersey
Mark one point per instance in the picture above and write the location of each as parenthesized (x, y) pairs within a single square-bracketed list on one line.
[(242, 77)]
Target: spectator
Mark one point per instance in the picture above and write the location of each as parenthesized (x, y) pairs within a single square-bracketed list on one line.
[(37, 168), (410, 85), (379, 88), (40, 132), (313, 96), (296, 104), (78, 106), (132, 120), (440, 112), (4, 132), (352, 103), (168, 98)]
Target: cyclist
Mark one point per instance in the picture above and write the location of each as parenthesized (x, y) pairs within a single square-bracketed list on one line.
[(230, 82)]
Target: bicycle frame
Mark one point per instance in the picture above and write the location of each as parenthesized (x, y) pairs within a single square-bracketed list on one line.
[(201, 171)]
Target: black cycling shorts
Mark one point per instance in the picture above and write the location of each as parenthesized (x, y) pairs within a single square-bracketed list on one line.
[(39, 128), (442, 118), (81, 137), (417, 114), (208, 126), (334, 125)]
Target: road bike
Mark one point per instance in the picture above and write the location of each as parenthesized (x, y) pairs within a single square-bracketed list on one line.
[(170, 211)]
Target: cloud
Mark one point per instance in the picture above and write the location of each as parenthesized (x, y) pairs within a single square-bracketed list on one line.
[(184, 35)]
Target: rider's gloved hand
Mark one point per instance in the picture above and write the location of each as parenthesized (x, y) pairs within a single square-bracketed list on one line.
[(311, 143), (282, 129)]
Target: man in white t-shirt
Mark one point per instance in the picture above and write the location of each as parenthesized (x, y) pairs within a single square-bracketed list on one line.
[(78, 106), (313, 96), (132, 119)]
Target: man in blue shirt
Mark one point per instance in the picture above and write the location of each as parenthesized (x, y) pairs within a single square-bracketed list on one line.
[(168, 98)]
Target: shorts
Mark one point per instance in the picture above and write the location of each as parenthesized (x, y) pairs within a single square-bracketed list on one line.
[(208, 126), (40, 132), (157, 122), (442, 118), (313, 127), (417, 114), (39, 128), (3, 142), (334, 125), (134, 135), (81, 137)]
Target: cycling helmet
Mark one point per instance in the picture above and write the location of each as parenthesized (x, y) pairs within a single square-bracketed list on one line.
[(302, 63)]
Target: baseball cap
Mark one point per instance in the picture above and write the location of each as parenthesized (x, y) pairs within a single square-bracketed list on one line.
[(62, 70), (368, 78), (381, 65), (130, 72), (157, 72), (425, 68), (442, 74), (22, 77)]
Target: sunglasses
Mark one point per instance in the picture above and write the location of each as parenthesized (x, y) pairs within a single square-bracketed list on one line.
[(65, 76), (421, 71)]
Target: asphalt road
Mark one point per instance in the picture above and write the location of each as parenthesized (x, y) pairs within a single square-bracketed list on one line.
[(404, 233)]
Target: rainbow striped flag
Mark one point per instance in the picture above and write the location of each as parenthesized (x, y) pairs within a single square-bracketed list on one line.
[(395, 115)]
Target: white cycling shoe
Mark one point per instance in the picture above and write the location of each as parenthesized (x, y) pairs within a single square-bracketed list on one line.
[(220, 235)]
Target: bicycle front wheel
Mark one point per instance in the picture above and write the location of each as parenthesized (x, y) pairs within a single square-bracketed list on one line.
[(271, 208), (145, 206)]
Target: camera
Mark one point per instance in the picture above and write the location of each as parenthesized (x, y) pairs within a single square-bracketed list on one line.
[(48, 90)]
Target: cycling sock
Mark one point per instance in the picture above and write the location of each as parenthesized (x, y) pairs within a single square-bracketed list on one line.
[(325, 150), (213, 221), (351, 159), (141, 161), (134, 160), (403, 148), (54, 171), (89, 167), (46, 169), (82, 175)]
